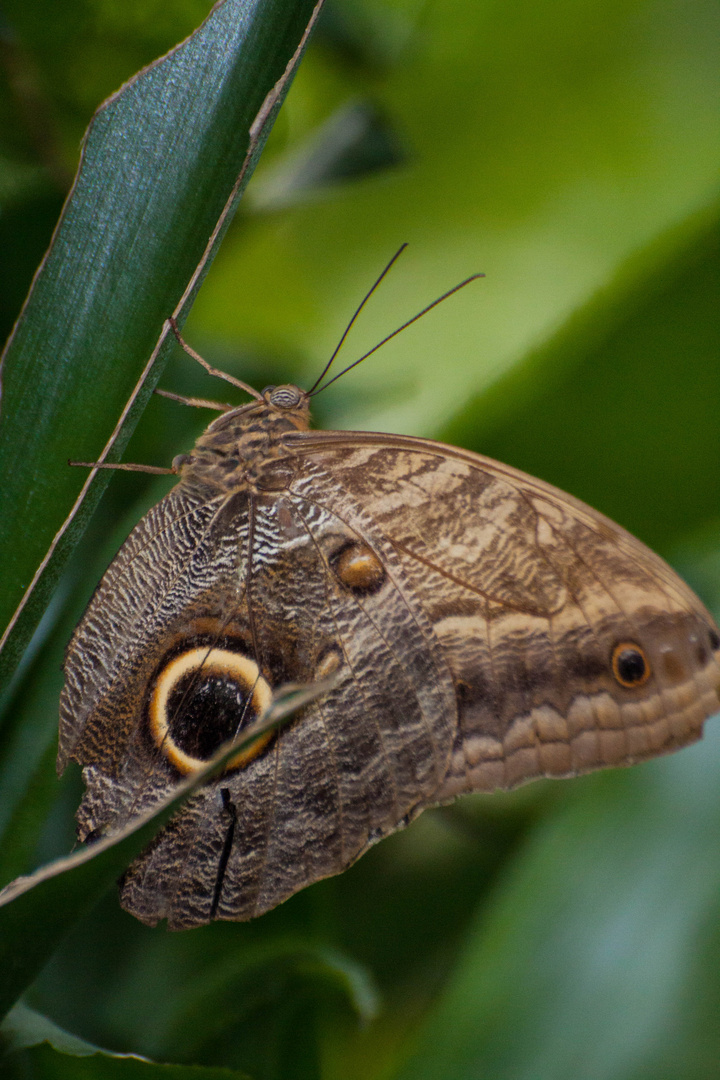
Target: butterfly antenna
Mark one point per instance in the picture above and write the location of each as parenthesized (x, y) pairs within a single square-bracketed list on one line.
[(455, 288), (349, 326)]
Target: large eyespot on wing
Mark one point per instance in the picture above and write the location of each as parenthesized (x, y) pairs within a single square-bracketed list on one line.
[(353, 767), (201, 698), (572, 645)]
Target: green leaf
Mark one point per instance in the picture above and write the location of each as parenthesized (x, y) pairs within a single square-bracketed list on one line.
[(44, 1063), (35, 1046), (24, 1027), (237, 989), (585, 949), (546, 148), (37, 911), (621, 406), (161, 162)]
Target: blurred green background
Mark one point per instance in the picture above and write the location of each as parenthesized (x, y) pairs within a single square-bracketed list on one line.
[(569, 150)]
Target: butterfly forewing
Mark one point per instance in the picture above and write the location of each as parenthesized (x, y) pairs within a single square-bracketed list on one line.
[(261, 579)]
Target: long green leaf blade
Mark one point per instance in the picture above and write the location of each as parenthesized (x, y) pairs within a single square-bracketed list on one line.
[(37, 911), (159, 164)]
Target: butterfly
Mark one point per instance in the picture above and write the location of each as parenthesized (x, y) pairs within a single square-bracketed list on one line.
[(481, 628)]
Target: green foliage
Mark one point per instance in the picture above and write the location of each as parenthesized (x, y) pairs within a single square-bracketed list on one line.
[(569, 151), (38, 910), (159, 163)]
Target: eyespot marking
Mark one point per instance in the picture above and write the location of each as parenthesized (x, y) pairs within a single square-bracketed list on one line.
[(202, 698), (630, 665), (714, 639), (328, 664), (358, 568)]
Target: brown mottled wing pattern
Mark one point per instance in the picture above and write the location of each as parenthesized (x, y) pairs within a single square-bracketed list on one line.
[(351, 768), (528, 592), (471, 628)]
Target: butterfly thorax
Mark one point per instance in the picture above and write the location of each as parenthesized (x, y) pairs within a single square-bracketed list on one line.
[(245, 448)]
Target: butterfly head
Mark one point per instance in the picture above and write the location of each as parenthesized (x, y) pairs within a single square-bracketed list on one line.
[(277, 410), (285, 397), (285, 407)]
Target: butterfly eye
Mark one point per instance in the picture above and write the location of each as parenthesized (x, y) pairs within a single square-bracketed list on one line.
[(630, 664), (284, 397), (200, 700), (714, 640)]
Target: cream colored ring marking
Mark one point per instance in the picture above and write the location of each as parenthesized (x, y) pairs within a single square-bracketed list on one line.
[(215, 661)]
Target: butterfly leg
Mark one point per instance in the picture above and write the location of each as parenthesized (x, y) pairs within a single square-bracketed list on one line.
[(208, 367), (124, 467), (197, 403)]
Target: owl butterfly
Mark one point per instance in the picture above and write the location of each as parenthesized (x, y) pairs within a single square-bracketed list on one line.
[(483, 629)]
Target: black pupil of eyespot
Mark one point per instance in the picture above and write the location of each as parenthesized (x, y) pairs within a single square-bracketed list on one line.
[(205, 710), (714, 640), (631, 665)]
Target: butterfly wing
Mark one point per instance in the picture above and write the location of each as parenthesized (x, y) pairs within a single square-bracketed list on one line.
[(483, 629), (571, 645), (261, 580)]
